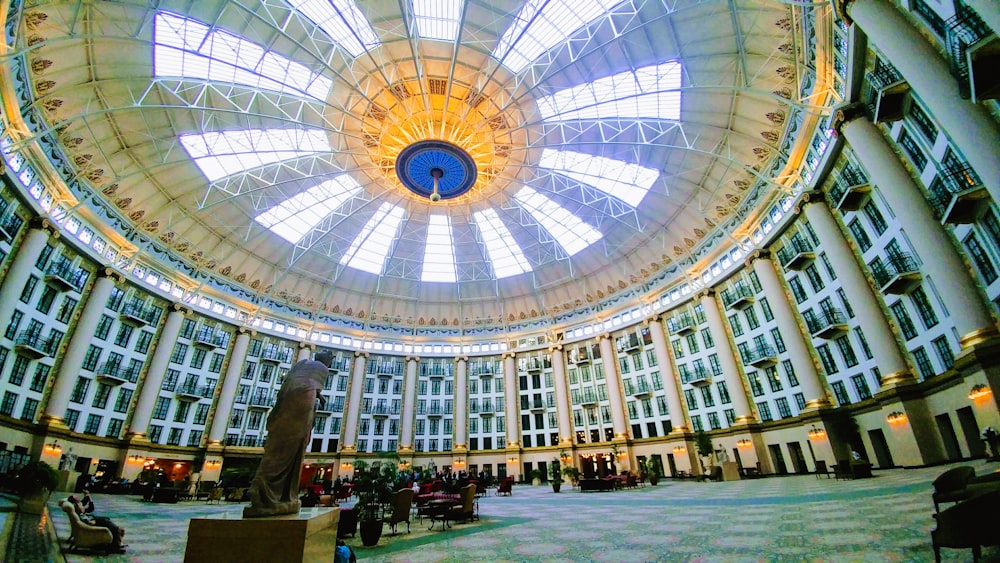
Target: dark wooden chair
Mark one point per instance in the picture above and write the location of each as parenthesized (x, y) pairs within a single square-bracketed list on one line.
[(968, 524), (842, 470), (821, 469), (506, 487), (402, 502), (464, 512), (950, 486)]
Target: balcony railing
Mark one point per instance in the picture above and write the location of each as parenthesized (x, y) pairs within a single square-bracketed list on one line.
[(682, 324), (739, 296), (137, 313), (207, 338), (627, 343), (9, 225), (958, 195), (889, 93), (188, 392), (64, 276), (33, 344), (432, 370), (826, 324), (341, 364), (262, 401), (973, 54), (115, 374), (897, 274), (760, 356), (275, 355), (851, 190), (796, 254)]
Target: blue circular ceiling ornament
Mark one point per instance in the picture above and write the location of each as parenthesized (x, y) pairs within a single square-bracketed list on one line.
[(418, 164)]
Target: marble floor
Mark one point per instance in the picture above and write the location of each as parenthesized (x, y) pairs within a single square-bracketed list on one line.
[(793, 518)]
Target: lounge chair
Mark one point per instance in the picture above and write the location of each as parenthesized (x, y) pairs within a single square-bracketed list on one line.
[(950, 485), (83, 535)]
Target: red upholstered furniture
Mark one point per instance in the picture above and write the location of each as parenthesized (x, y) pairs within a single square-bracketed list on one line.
[(506, 486)]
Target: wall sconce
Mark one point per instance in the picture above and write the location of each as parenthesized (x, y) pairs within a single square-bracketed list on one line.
[(459, 463), (511, 460), (346, 465), (135, 459), (213, 464), (817, 433), (979, 391), (896, 417), (53, 448), (680, 449), (743, 444)]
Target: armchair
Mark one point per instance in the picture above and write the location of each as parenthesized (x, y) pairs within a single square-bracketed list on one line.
[(506, 486), (951, 485), (466, 510), (968, 524), (83, 534), (402, 501)]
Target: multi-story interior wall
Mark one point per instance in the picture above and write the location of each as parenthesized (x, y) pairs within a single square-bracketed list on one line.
[(873, 297)]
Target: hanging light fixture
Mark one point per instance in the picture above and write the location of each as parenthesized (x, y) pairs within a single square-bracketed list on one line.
[(817, 433), (896, 417), (979, 391)]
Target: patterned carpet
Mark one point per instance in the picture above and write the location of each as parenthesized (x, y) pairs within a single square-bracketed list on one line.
[(794, 518)]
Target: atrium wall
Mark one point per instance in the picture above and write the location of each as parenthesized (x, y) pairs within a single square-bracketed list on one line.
[(877, 302)]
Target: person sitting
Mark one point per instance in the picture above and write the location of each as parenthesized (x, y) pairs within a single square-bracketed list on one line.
[(87, 502), (309, 498), (117, 532)]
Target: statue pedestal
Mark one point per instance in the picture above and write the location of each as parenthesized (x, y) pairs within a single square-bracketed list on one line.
[(310, 535), (730, 471)]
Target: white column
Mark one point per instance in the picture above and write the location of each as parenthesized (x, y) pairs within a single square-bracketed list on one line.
[(614, 382), (76, 351), (23, 262), (230, 385), (306, 350), (860, 295), (409, 405), (791, 333), (969, 125), (565, 419), (731, 371), (671, 387), (154, 374), (941, 262), (352, 414), (461, 416), (510, 397)]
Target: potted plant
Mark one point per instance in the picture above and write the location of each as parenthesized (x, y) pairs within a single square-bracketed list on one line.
[(572, 473), (33, 483), (703, 443), (652, 468), (373, 486), (536, 476), (555, 474)]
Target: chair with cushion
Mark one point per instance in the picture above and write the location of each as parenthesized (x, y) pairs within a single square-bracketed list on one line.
[(506, 486), (83, 534), (402, 501), (348, 523), (344, 493), (465, 511), (821, 469), (968, 524), (950, 486)]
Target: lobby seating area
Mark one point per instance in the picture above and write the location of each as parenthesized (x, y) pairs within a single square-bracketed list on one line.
[(791, 518)]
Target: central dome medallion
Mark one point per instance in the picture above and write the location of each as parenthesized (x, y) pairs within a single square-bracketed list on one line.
[(436, 169)]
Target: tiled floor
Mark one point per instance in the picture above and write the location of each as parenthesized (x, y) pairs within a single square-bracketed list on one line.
[(795, 518)]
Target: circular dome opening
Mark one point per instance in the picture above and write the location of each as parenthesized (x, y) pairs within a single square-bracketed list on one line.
[(423, 162)]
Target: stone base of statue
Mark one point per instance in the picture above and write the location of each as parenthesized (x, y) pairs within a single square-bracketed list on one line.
[(308, 536), (279, 509)]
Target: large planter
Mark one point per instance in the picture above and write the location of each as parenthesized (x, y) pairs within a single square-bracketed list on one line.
[(556, 486), (371, 532), (654, 479), (34, 503)]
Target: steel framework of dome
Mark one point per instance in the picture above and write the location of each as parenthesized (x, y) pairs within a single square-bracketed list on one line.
[(251, 145)]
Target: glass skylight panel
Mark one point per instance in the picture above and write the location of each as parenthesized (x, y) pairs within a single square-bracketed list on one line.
[(649, 92), (439, 251), (188, 48), (503, 250), (371, 247), (543, 24), (438, 19), (342, 21), (627, 182), (299, 214), (224, 153), (569, 230)]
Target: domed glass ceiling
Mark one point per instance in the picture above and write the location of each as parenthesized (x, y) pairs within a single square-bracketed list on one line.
[(259, 141)]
